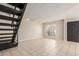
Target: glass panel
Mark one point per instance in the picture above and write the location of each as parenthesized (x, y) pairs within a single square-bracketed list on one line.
[(51, 31)]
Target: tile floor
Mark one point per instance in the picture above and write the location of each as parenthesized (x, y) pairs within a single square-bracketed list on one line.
[(43, 47)]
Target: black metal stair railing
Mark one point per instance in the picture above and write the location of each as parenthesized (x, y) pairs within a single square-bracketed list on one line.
[(11, 23), (14, 27), (18, 23)]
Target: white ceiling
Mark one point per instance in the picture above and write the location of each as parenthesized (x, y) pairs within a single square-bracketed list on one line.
[(49, 11)]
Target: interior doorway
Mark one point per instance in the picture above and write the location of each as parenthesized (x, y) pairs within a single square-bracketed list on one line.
[(51, 31), (73, 31), (54, 30)]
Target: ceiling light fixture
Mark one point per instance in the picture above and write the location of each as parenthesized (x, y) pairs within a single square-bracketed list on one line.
[(28, 19)]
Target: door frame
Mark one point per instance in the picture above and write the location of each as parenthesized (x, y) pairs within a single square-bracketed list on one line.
[(65, 25)]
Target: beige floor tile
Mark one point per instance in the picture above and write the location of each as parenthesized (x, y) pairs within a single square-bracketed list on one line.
[(43, 47)]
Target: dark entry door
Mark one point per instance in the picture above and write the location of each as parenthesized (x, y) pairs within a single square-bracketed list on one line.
[(73, 31)]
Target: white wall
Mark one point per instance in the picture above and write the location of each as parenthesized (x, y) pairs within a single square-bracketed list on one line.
[(29, 29), (60, 30)]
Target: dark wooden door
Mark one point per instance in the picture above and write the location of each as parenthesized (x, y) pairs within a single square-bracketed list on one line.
[(73, 31)]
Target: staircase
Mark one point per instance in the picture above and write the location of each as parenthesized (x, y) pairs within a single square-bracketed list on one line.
[(10, 18)]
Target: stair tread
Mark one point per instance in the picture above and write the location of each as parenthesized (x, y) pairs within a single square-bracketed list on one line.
[(5, 40), (6, 33), (5, 29), (6, 37), (9, 10), (2, 17), (7, 24)]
